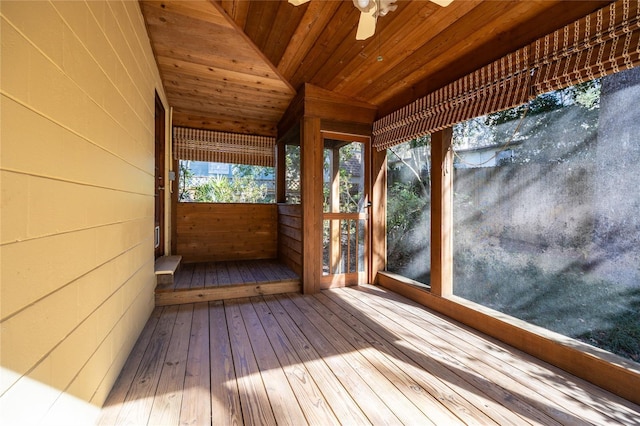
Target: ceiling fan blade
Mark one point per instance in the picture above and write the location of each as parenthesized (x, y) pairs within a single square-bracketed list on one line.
[(443, 3), (366, 25), (298, 2)]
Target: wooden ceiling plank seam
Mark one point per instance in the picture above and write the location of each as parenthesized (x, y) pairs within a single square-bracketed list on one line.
[(404, 31), (316, 17), (341, 26)]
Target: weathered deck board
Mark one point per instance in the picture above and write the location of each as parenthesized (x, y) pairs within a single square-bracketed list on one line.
[(273, 376), (225, 398), (308, 393), (183, 277), (210, 281), (118, 394), (168, 395), (139, 401), (196, 398), (358, 355), (374, 368), (345, 367), (335, 394), (449, 406), (199, 275), (579, 395), (253, 394), (467, 401)]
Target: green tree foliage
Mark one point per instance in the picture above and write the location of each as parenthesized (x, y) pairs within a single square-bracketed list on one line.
[(351, 190), (292, 173), (245, 186), (409, 191)]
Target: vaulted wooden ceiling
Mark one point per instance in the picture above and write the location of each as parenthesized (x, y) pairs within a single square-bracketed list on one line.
[(234, 65)]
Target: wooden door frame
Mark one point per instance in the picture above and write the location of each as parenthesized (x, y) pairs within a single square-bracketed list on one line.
[(340, 280), (159, 177)]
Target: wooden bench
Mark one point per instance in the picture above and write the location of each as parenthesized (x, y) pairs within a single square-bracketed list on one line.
[(166, 268)]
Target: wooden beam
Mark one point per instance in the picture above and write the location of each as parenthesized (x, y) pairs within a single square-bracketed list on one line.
[(311, 189), (233, 291), (223, 124), (335, 246), (281, 165), (442, 213), (378, 212), (175, 190)]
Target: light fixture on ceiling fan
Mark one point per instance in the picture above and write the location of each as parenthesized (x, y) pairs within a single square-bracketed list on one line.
[(369, 12)]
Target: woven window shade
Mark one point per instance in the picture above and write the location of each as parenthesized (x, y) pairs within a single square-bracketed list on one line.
[(219, 147), (497, 86), (597, 45)]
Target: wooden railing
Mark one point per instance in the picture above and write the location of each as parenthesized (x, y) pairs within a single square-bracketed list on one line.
[(343, 243)]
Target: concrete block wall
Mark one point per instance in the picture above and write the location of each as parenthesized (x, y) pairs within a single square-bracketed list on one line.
[(77, 201)]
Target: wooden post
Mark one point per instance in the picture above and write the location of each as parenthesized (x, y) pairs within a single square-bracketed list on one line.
[(442, 213), (175, 191), (378, 212), (281, 165), (335, 247), (311, 193)]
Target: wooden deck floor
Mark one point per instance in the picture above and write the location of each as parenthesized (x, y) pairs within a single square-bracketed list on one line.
[(357, 355), (203, 282)]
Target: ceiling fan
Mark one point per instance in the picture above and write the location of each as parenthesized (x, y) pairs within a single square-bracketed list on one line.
[(369, 12)]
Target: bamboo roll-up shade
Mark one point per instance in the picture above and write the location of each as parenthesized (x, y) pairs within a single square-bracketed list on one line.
[(597, 45), (219, 147), (497, 86)]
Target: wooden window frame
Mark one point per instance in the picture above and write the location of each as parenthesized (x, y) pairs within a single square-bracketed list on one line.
[(604, 369)]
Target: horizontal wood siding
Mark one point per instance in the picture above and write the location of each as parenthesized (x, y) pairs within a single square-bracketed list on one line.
[(290, 236), (213, 232), (76, 203)]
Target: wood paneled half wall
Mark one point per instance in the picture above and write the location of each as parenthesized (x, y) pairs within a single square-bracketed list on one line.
[(290, 236), (207, 232)]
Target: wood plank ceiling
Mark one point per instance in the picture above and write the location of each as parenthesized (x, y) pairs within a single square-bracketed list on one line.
[(234, 65)]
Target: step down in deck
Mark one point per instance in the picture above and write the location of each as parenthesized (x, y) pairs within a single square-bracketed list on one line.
[(166, 268)]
